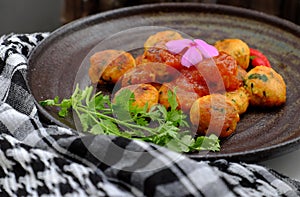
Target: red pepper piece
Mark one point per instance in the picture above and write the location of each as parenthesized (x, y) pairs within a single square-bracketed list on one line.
[(258, 58)]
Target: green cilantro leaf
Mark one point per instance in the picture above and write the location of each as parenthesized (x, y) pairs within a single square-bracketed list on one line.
[(206, 143), (98, 115)]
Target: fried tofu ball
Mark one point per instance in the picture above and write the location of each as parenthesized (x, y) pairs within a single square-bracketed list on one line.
[(156, 51), (220, 74), (240, 99), (140, 60), (241, 74), (190, 85), (106, 67), (185, 96), (143, 94), (163, 95), (214, 113), (159, 39), (266, 88), (162, 55), (149, 73), (237, 49)]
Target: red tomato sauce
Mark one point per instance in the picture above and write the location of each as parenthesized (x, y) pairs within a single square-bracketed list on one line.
[(204, 77)]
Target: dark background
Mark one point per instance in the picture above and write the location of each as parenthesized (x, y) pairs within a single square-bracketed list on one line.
[(27, 16), (35, 15), (283, 8)]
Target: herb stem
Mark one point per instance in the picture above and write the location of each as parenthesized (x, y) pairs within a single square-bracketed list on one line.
[(83, 109), (95, 113)]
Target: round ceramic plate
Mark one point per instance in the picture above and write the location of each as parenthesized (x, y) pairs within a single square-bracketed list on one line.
[(260, 134)]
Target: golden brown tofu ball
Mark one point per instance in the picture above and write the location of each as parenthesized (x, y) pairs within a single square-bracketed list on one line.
[(237, 49), (214, 113), (106, 67), (163, 95), (150, 72), (241, 74), (189, 85), (143, 94), (239, 99), (222, 74), (185, 95), (140, 60), (159, 39), (266, 88), (156, 51)]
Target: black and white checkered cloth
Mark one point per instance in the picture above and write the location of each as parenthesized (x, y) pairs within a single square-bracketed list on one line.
[(39, 160)]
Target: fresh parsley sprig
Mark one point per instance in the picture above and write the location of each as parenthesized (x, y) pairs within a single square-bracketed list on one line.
[(98, 115)]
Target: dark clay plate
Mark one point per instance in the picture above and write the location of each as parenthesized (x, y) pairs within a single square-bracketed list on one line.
[(260, 134)]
